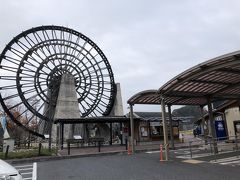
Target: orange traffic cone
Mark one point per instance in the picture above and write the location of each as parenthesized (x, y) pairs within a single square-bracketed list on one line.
[(129, 149), (161, 153)]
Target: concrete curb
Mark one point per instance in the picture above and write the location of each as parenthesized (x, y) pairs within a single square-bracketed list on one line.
[(59, 157), (217, 156), (53, 158)]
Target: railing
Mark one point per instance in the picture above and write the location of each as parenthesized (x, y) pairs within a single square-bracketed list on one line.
[(217, 146)]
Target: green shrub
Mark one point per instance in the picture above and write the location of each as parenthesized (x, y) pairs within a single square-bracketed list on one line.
[(27, 153)]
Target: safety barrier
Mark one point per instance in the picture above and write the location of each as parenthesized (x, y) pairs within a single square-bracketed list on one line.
[(228, 144)]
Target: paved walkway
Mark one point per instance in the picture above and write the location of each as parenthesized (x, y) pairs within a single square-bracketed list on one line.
[(143, 146)]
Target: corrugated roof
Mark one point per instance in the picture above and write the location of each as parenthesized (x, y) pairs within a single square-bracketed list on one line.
[(216, 79)]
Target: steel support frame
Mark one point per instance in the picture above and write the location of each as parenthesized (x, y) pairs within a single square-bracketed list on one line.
[(132, 129), (111, 133), (204, 125), (213, 131), (165, 130), (62, 134), (54, 42), (170, 126)]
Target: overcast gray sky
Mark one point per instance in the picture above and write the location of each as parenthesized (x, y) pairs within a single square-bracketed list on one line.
[(147, 42)]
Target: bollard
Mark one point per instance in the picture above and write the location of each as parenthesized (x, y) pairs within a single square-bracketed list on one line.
[(6, 153), (39, 149), (129, 149), (161, 153), (28, 144), (99, 146), (126, 143), (68, 145)]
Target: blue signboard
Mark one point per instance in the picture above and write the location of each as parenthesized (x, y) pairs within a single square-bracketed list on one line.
[(220, 128)]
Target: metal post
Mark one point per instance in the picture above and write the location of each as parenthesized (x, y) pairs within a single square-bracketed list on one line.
[(62, 135), (99, 146), (204, 125), (50, 137), (126, 143), (58, 136), (68, 145), (165, 130), (29, 140), (213, 131), (170, 126), (6, 153), (132, 128), (39, 149), (121, 133), (111, 134)]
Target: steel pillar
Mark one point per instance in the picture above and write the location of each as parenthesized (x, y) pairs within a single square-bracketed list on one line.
[(204, 125), (165, 130), (111, 134), (50, 137), (170, 126), (121, 133), (213, 131), (132, 128), (62, 134)]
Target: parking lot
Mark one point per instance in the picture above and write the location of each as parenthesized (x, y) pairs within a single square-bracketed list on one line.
[(140, 166), (28, 171)]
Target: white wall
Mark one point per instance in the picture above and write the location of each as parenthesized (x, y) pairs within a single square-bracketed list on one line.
[(232, 114)]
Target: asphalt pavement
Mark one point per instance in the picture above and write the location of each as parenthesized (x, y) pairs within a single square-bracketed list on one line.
[(140, 166), (113, 163), (28, 171)]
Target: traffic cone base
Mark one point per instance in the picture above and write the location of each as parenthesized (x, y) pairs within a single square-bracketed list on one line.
[(129, 150), (161, 153)]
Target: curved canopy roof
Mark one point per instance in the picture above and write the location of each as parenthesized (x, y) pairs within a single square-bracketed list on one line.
[(145, 97), (216, 79)]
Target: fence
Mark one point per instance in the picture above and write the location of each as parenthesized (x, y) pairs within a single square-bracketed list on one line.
[(217, 146)]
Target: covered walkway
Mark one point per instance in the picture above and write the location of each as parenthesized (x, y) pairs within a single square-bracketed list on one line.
[(214, 80)]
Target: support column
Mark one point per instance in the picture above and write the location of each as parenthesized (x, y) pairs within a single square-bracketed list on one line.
[(50, 137), (165, 130), (110, 133), (170, 126), (225, 124), (58, 140), (204, 125), (62, 135), (67, 107), (213, 131), (132, 128), (121, 133)]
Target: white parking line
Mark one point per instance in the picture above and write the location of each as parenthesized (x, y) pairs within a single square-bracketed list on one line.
[(28, 165), (152, 152), (193, 156), (225, 159), (25, 169), (182, 152), (28, 171), (34, 174), (231, 162)]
